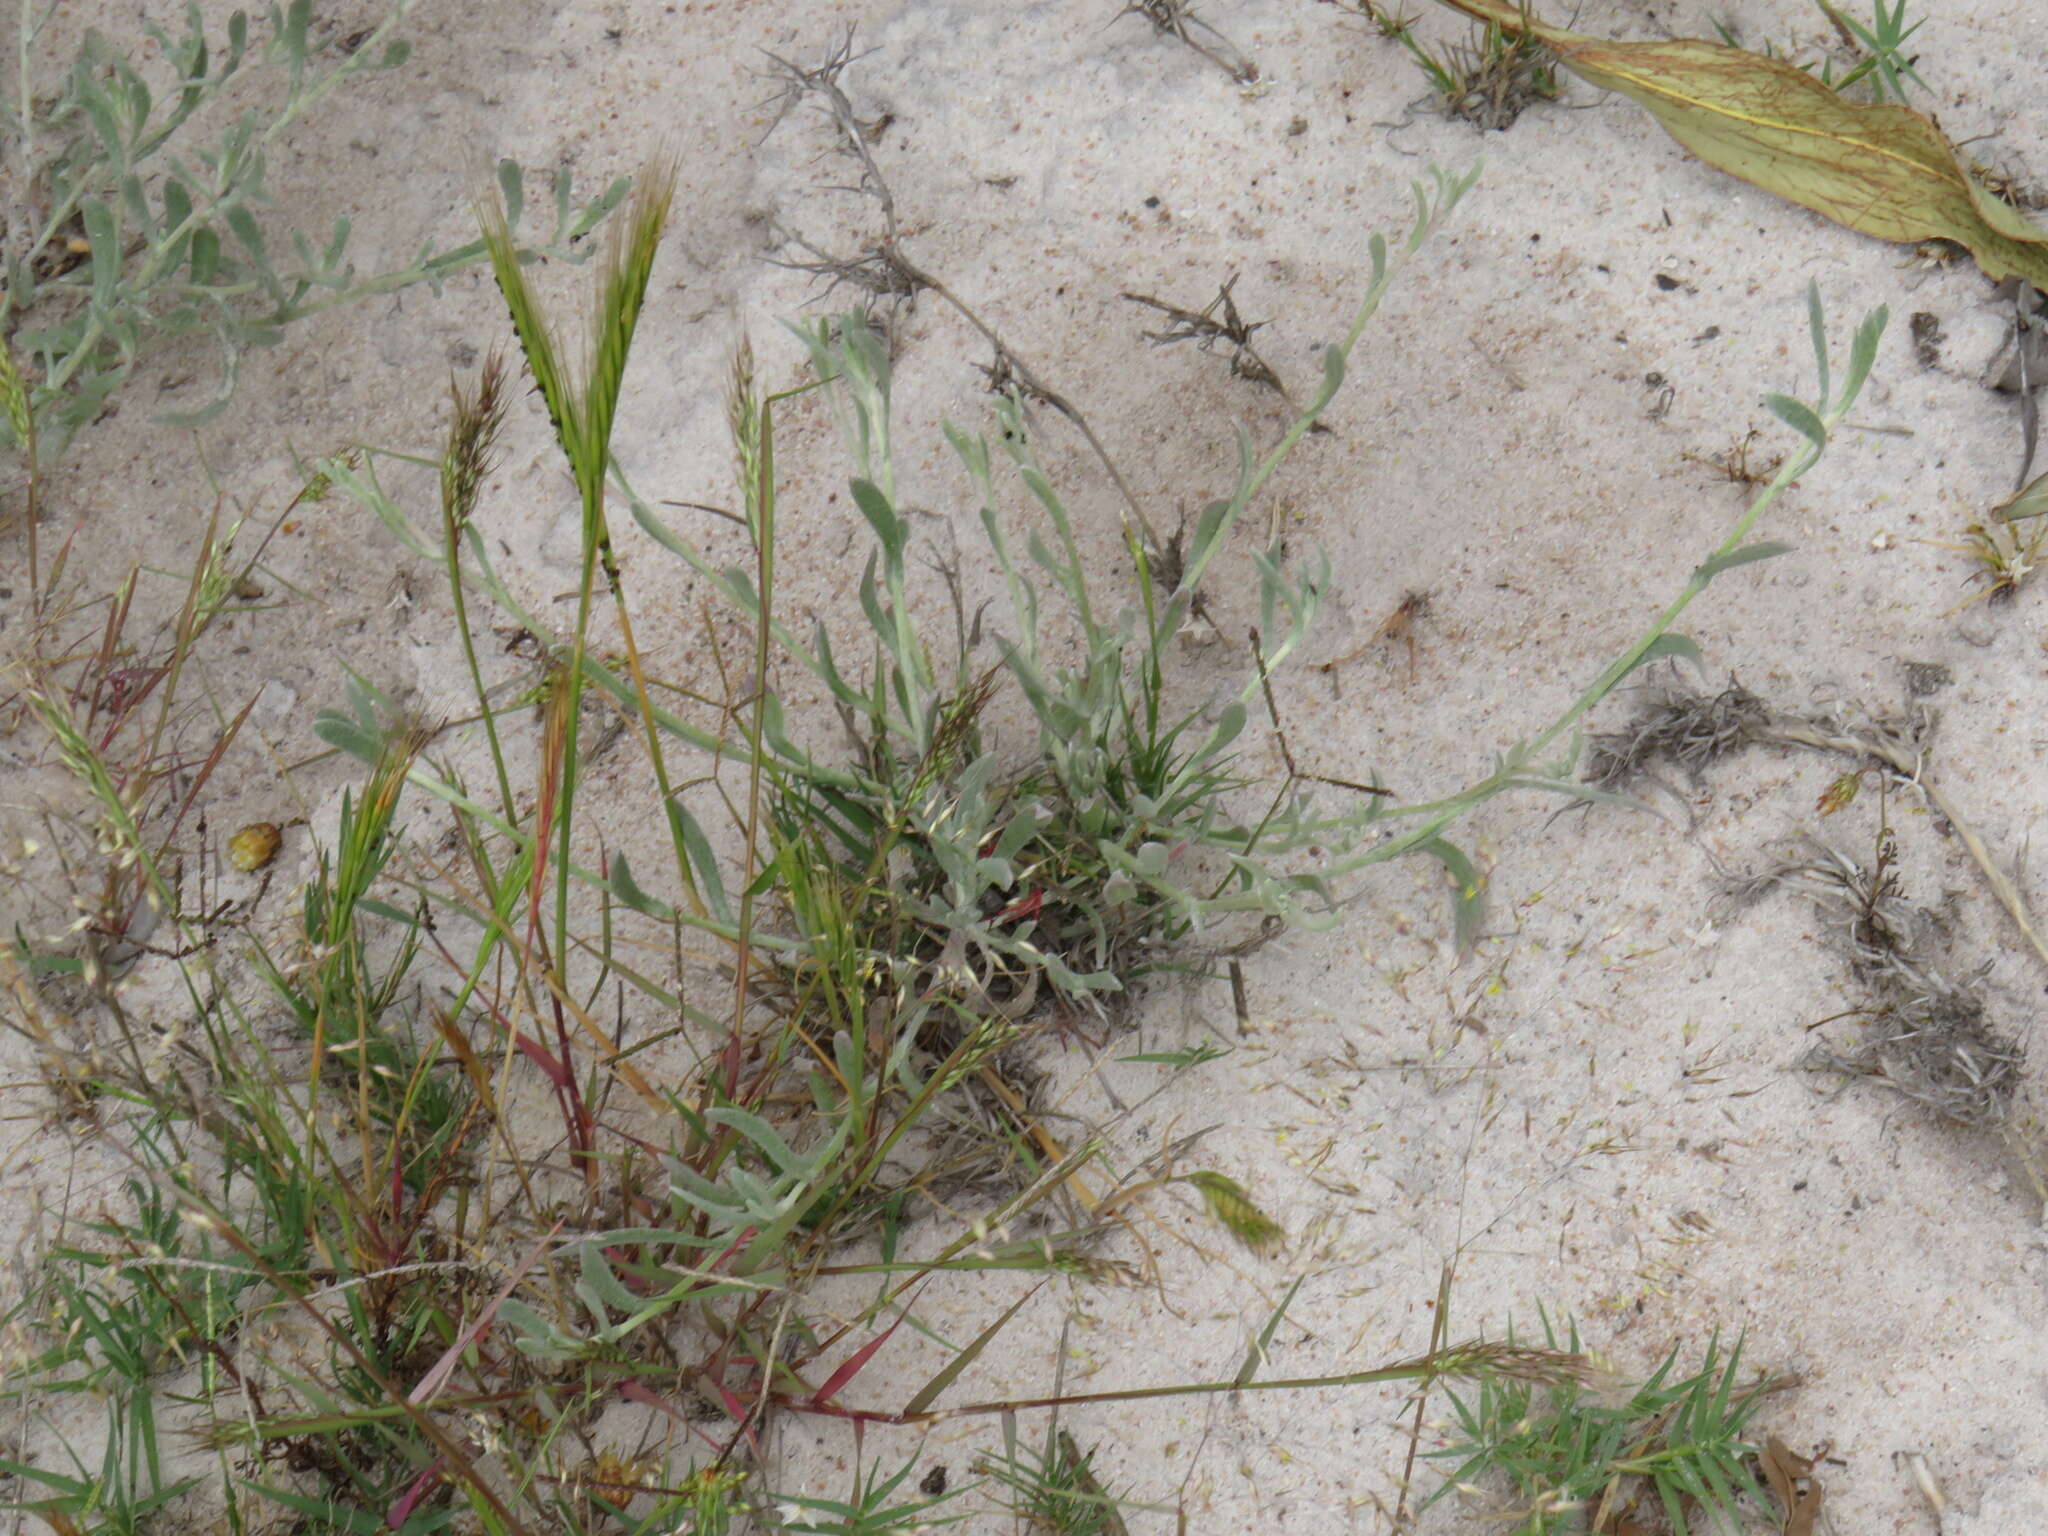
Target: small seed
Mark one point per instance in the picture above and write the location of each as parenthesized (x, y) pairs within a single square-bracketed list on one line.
[(254, 846)]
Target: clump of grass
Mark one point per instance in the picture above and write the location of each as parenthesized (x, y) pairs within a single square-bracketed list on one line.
[(1876, 55), (115, 706), (1488, 81), (879, 1505), (122, 231), (1053, 1488), (1885, 63), (901, 913), (1580, 1458)]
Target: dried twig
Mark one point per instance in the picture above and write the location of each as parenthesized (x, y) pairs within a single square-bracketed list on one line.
[(1216, 321), (886, 267)]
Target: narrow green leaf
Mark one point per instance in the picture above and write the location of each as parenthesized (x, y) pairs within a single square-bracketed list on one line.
[(2030, 502), (205, 257), (102, 232), (245, 229), (710, 881), (627, 890), (1747, 554), (760, 1133), (99, 109), (1257, 1352), (360, 1522), (1863, 355), (337, 243), (1817, 330), (177, 204), (134, 201), (350, 736), (1667, 645), (512, 187), (1800, 418), (1468, 896), (928, 1394), (890, 529), (298, 16), (594, 213), (598, 1282), (140, 103)]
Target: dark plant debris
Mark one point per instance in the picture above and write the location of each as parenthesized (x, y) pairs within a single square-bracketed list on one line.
[(1397, 626), (1177, 19), (1734, 465), (884, 267), (1676, 726), (1217, 321), (1926, 1036)]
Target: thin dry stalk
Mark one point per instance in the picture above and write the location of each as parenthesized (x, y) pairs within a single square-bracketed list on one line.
[(1177, 19), (889, 264), (1217, 321)]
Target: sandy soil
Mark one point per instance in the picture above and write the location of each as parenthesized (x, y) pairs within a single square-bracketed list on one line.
[(1599, 1111)]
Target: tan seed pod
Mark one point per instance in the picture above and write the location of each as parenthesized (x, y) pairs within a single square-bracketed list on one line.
[(254, 846)]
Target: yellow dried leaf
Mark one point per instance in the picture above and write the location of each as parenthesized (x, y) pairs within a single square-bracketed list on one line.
[(1879, 170)]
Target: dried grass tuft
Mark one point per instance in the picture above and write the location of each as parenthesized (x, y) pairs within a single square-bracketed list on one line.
[(1676, 726), (1926, 1036)]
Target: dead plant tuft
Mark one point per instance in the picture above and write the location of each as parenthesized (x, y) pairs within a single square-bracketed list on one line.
[(1928, 1037), (1676, 726)]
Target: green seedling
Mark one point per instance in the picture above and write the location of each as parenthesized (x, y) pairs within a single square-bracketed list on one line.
[(2002, 555), (1882, 61), (1488, 81), (1576, 1459), (879, 1506), (1054, 1489), (1883, 43)]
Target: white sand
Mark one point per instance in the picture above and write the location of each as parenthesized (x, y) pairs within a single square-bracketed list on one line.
[(1598, 1112)]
